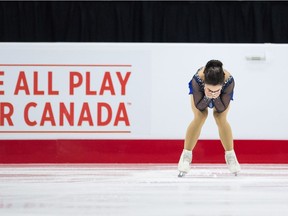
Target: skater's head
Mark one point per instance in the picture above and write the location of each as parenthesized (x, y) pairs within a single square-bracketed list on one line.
[(214, 73)]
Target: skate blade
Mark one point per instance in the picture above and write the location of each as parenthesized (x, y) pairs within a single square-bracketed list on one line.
[(181, 174), (236, 173)]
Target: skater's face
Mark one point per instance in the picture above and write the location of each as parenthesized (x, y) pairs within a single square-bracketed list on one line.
[(213, 89)]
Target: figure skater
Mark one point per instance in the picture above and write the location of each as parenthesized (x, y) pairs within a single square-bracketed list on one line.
[(212, 87)]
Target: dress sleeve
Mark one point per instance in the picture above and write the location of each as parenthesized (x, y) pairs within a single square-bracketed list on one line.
[(200, 100), (222, 102)]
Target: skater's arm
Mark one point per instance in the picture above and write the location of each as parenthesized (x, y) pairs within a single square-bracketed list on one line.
[(222, 102), (200, 100)]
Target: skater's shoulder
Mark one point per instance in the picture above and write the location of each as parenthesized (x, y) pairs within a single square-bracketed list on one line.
[(200, 73), (228, 77), (227, 74)]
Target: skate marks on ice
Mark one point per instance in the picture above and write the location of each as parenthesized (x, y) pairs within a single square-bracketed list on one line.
[(142, 189)]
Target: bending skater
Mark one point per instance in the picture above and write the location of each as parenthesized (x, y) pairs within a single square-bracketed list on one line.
[(211, 87)]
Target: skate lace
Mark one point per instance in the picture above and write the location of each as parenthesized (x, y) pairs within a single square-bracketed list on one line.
[(231, 160), (187, 158)]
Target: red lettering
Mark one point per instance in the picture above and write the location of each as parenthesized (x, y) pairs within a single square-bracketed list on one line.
[(26, 114), (88, 91), (35, 79), (8, 115), (1, 82), (100, 107), (123, 82), (121, 115), (107, 84), (72, 83), (47, 115), (69, 115), (50, 87), (20, 86), (85, 115)]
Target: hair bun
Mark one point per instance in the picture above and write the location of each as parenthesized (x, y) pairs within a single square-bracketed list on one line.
[(214, 63)]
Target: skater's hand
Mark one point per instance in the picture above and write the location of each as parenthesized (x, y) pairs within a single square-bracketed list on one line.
[(212, 94)]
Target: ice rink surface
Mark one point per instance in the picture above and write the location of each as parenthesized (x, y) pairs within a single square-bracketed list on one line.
[(142, 189)]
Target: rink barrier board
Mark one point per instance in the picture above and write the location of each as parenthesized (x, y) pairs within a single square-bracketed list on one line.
[(137, 151)]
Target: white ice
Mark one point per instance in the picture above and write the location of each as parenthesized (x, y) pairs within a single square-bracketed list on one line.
[(142, 189)]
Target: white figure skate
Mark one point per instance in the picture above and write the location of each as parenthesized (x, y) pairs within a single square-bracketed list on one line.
[(184, 162), (232, 162)]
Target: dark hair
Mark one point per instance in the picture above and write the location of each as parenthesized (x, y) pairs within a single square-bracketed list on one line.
[(214, 73)]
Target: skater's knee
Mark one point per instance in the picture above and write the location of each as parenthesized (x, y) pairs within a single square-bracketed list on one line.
[(201, 115), (220, 118)]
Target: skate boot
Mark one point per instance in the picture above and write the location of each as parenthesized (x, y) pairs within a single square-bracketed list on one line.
[(232, 162), (184, 162)]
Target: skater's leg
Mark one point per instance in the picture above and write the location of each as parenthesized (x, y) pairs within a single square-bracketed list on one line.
[(194, 128), (224, 129), (192, 135), (225, 133)]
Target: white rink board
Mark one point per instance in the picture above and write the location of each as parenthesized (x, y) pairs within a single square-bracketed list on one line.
[(156, 100)]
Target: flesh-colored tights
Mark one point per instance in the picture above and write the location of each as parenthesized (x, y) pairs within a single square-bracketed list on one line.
[(194, 128)]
